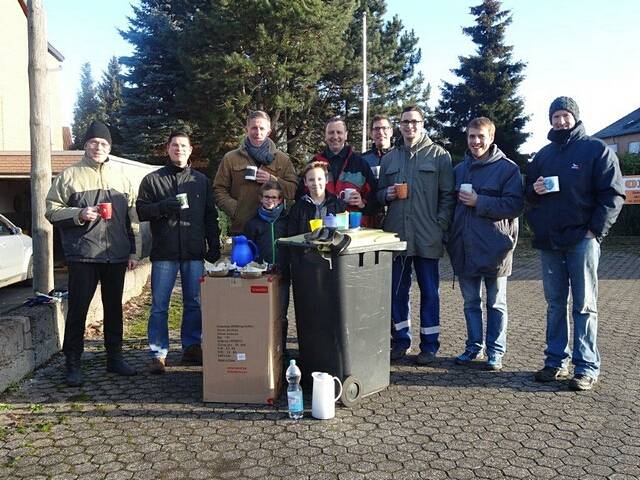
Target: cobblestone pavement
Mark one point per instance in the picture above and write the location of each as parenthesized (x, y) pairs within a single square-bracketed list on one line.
[(436, 422)]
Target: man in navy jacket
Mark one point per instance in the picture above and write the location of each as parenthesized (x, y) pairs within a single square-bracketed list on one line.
[(482, 238), (570, 215)]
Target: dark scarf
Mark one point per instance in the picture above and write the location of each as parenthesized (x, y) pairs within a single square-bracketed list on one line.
[(270, 216), (561, 136), (261, 155)]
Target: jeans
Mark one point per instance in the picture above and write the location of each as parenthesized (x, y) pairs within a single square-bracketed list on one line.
[(163, 279), (428, 281), (577, 269), (497, 317)]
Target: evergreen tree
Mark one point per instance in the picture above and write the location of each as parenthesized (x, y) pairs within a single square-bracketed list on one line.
[(207, 63), (153, 73), (86, 109), (111, 102), (488, 86)]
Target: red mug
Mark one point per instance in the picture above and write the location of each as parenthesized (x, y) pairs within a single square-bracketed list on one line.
[(105, 210)]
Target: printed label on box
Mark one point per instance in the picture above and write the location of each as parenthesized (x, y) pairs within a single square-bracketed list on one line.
[(241, 357), (231, 342), (259, 289)]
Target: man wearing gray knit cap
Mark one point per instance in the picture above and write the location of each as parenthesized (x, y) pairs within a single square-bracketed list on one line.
[(575, 192)]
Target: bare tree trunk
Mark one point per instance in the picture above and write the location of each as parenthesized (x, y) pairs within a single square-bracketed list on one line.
[(40, 129)]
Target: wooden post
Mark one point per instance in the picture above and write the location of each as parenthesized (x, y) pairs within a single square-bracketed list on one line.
[(40, 129)]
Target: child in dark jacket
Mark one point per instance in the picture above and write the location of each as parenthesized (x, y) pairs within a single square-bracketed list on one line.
[(264, 229), (317, 203), (269, 224)]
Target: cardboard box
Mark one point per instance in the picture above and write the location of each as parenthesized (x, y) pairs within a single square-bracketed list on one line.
[(241, 340)]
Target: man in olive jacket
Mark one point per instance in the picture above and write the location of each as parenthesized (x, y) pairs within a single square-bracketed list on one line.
[(183, 235), (420, 219), (98, 246), (238, 194)]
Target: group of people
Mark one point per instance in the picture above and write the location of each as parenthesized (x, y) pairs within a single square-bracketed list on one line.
[(573, 194)]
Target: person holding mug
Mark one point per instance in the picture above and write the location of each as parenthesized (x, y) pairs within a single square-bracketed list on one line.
[(97, 248), (568, 225), (346, 172), (243, 171), (416, 184)]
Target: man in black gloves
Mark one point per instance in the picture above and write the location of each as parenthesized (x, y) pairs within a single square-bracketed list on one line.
[(178, 201)]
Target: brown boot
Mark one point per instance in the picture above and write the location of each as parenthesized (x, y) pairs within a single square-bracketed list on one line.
[(192, 355), (157, 366)]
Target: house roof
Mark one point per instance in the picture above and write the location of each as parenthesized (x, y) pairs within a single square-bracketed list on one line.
[(55, 53), (18, 164), (627, 125)]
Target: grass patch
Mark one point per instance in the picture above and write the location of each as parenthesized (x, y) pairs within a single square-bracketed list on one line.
[(136, 327)]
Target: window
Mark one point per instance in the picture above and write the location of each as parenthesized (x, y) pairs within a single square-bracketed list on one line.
[(613, 146), (634, 147)]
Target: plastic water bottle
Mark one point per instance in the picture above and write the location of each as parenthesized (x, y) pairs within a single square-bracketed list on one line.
[(294, 391)]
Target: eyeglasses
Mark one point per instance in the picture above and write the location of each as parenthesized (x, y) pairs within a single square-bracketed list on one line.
[(270, 197), (413, 123), (380, 129), (97, 143)]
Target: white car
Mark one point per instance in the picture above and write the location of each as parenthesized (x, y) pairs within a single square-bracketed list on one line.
[(16, 254)]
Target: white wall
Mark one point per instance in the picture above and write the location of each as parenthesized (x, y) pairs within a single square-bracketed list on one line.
[(14, 83)]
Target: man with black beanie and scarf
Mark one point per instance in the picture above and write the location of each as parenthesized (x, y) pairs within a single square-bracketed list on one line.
[(575, 192), (243, 171)]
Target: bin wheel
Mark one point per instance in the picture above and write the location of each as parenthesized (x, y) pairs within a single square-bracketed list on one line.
[(351, 389)]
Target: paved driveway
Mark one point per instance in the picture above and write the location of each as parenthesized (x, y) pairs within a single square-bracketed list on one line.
[(440, 422)]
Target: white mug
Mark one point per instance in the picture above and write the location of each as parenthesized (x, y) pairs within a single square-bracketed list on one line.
[(552, 184), (250, 172), (346, 194), (466, 187)]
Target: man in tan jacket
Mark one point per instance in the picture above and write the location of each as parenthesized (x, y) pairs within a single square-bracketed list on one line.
[(244, 170), (93, 204)]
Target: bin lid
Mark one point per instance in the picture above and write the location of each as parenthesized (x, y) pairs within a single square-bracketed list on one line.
[(362, 240)]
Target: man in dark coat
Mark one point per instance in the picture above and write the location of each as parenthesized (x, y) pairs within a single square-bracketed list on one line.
[(178, 201), (482, 238), (575, 189)]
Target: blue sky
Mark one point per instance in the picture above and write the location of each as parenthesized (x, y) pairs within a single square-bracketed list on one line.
[(586, 49)]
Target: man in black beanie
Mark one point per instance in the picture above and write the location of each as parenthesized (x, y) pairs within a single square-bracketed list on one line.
[(93, 204), (575, 191)]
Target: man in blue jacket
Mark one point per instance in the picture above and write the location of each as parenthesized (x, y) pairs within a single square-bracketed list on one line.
[(183, 234), (575, 189), (482, 238)]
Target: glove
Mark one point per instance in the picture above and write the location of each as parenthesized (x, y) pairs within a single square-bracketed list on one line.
[(212, 256), (169, 205)]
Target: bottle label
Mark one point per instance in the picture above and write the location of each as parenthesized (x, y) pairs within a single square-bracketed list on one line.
[(294, 399)]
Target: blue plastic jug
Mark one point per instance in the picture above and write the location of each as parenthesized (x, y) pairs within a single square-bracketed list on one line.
[(243, 250)]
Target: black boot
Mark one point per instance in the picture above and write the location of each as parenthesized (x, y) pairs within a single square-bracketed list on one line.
[(74, 372), (117, 364)]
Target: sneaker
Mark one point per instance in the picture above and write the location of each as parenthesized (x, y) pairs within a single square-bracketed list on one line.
[(157, 366), (581, 382), (398, 353), (426, 358), (467, 357), (551, 374), (494, 363), (192, 355)]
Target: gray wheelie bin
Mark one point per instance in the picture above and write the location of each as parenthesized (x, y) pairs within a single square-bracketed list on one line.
[(342, 303)]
